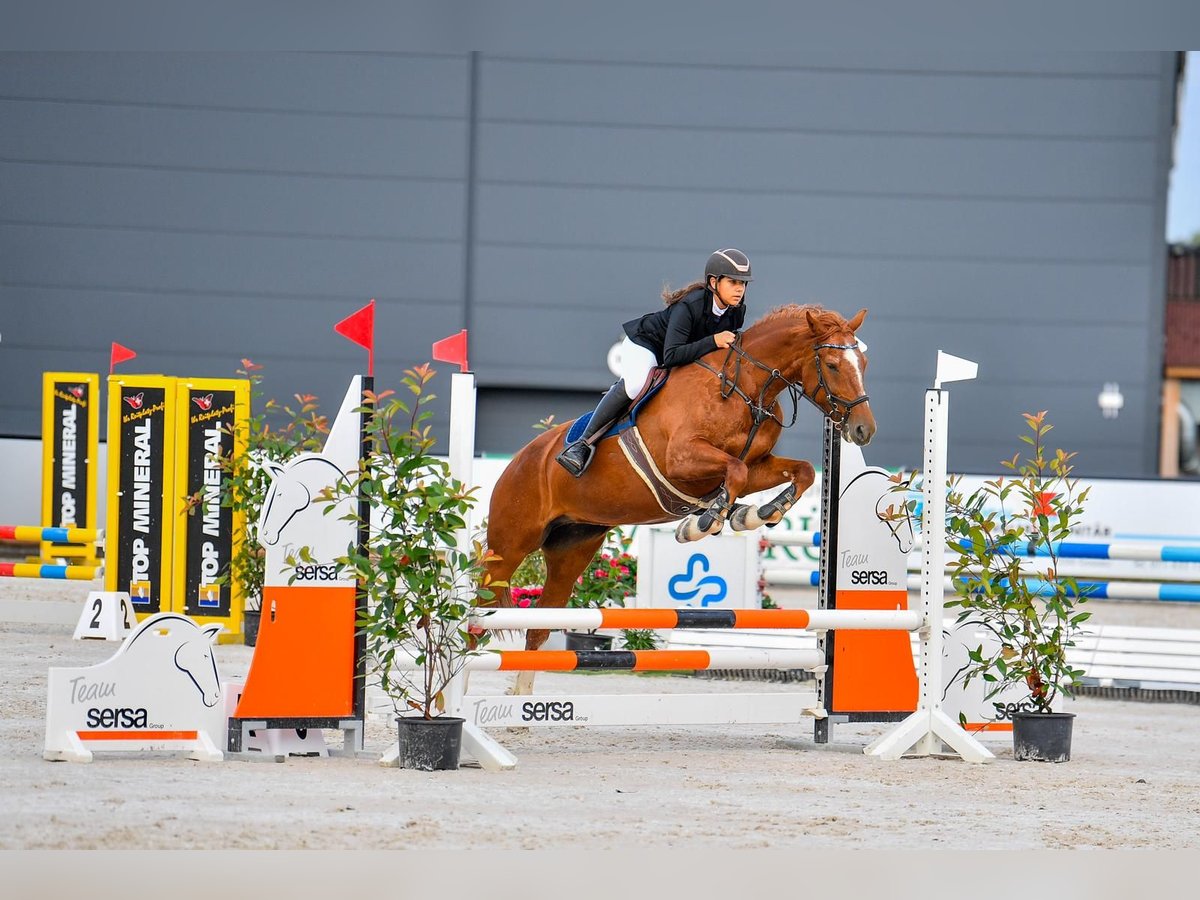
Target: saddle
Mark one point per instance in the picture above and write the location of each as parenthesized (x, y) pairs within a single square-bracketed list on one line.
[(672, 501), (654, 382)]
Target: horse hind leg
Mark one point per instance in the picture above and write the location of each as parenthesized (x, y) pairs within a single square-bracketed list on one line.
[(568, 550)]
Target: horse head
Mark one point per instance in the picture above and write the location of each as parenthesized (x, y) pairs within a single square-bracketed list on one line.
[(834, 373), (195, 659), (287, 495)]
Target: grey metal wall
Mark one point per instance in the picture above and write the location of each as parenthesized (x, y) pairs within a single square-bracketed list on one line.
[(204, 208)]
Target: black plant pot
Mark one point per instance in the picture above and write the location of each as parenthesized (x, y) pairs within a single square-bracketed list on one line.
[(584, 641), (250, 626), (1043, 737), (430, 745)]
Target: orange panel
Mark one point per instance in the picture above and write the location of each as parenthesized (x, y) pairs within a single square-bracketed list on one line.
[(303, 664), (873, 670)]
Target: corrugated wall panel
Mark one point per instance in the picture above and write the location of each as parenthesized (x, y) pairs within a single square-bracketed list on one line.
[(1009, 211), (1006, 207), (202, 208)]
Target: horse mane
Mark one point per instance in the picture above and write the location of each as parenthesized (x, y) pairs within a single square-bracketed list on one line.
[(828, 321)]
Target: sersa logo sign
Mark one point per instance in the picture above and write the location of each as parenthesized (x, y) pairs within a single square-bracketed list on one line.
[(320, 572), (117, 717), (491, 711), (868, 576), (548, 711)]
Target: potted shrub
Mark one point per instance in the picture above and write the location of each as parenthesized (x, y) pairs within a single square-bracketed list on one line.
[(419, 581), (991, 535), (607, 581), (278, 432)]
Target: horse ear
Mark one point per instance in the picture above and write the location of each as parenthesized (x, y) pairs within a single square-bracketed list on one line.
[(211, 631), (813, 325), (272, 468), (854, 323)]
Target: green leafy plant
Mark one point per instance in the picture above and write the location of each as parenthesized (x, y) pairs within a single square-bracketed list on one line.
[(420, 582), (991, 533), (639, 639), (277, 432)]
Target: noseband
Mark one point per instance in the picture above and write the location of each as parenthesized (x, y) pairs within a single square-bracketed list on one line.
[(839, 408)]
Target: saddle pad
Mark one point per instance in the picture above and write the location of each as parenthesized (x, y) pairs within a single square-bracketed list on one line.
[(658, 377), (671, 500)]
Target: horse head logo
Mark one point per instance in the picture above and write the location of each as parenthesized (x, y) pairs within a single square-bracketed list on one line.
[(195, 659), (895, 514), (191, 647), (293, 488)]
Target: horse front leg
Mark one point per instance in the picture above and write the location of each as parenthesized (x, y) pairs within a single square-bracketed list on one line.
[(702, 461), (766, 473), (565, 562)]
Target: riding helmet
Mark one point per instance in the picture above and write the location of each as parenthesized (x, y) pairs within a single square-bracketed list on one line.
[(729, 263)]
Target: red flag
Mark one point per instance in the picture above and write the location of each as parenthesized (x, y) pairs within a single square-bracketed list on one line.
[(360, 328), (119, 355), (452, 350)]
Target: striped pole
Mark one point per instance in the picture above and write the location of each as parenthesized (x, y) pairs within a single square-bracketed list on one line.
[(634, 660), (1094, 590), (36, 533), (34, 570), (781, 538), (800, 619), (1123, 550)]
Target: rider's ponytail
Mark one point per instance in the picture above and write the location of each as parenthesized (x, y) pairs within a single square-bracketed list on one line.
[(669, 296)]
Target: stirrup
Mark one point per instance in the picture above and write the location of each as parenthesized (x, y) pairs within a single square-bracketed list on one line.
[(570, 463)]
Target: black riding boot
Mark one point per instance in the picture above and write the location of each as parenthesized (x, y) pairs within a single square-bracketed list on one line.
[(577, 456)]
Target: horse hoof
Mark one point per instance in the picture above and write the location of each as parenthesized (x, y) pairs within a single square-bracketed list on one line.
[(739, 519)]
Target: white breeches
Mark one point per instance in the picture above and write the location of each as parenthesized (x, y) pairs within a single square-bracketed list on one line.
[(636, 363)]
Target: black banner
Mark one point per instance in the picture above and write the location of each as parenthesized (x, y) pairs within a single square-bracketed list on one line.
[(208, 528), (70, 439), (143, 540)]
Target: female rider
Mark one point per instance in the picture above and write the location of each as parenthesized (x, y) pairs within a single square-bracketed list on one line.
[(698, 319)]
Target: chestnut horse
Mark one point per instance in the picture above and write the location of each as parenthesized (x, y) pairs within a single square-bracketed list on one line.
[(700, 429)]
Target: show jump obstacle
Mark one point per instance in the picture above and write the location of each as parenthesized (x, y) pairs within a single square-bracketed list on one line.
[(70, 462), (164, 436), (923, 732), (308, 668)]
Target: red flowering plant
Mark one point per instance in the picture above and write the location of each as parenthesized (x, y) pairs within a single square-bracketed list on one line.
[(525, 584), (610, 577)]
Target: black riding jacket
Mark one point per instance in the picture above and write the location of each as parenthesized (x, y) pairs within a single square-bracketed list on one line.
[(683, 332)]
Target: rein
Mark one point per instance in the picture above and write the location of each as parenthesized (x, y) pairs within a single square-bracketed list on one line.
[(839, 407)]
